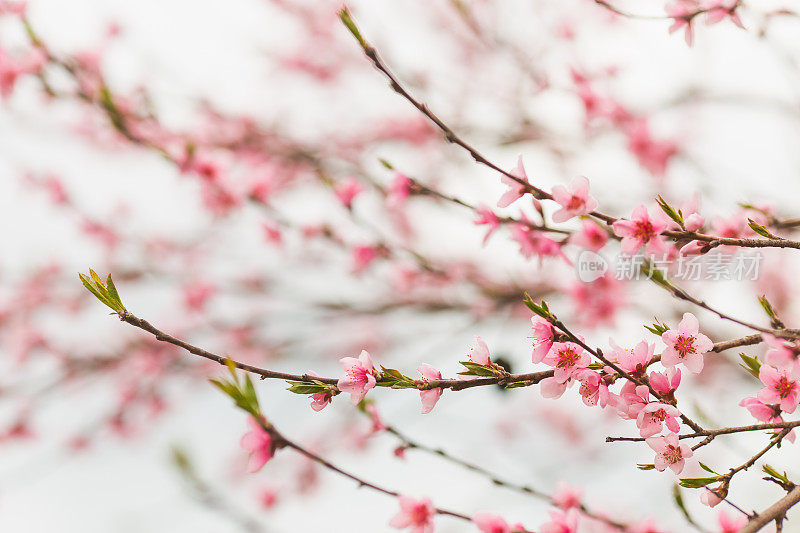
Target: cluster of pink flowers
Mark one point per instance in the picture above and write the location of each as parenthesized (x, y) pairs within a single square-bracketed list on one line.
[(684, 345)]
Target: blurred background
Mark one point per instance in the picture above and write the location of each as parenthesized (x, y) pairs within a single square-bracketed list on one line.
[(235, 166)]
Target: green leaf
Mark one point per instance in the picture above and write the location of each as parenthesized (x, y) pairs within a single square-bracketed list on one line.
[(708, 469), (347, 20), (107, 294), (766, 306), (751, 364), (670, 211), (645, 466), (758, 228), (678, 499), (698, 482)]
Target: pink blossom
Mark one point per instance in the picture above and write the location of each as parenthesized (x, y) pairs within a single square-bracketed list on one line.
[(760, 411), (669, 452), (561, 522), (633, 361), (359, 376), (347, 190), (574, 201), (272, 234), (12, 8), (639, 231), (479, 352), (591, 236), (654, 415), (781, 353), (686, 345), (566, 358), (429, 397), (781, 387), (666, 383), (632, 399), (566, 496), (416, 515), (515, 189), (534, 242), (486, 216), (375, 417), (553, 388), (693, 222), (490, 523), (593, 390), (363, 256), (319, 400), (196, 295), (731, 524), (710, 496), (654, 155), (542, 338), (399, 190), (597, 302), (719, 9), (682, 13), (259, 443)]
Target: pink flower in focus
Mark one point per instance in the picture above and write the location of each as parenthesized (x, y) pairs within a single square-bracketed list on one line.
[(670, 453), (593, 390), (490, 523), (781, 387), (566, 496), (542, 338), (259, 443), (347, 190), (429, 397), (414, 514), (359, 376), (566, 358), (515, 189), (479, 352), (760, 411), (666, 383), (319, 400), (633, 361), (486, 216), (632, 399), (561, 522), (686, 345), (654, 415), (781, 353), (574, 201), (710, 496), (592, 236), (640, 231)]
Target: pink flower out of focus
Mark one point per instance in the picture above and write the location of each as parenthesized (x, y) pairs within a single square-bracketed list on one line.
[(561, 522), (574, 201), (347, 190), (259, 443), (686, 345), (359, 376), (417, 515)]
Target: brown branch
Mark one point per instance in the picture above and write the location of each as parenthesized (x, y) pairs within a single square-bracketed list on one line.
[(777, 511), (502, 378)]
